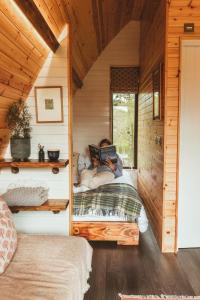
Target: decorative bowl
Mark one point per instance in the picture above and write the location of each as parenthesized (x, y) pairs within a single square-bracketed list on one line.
[(53, 154)]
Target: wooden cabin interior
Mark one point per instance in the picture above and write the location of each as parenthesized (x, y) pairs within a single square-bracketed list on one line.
[(122, 75)]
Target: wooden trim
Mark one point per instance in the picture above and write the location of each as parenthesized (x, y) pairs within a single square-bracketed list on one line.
[(70, 123), (95, 14), (123, 233), (157, 70), (77, 81), (34, 15), (162, 241), (36, 103), (136, 132), (50, 205)]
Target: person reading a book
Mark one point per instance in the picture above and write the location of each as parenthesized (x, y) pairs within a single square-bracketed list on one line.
[(99, 172)]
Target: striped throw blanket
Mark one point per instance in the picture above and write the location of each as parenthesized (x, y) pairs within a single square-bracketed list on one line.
[(115, 199)]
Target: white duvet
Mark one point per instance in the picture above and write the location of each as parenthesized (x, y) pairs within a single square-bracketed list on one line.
[(126, 178)]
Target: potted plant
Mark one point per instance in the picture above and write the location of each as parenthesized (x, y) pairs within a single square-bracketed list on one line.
[(18, 121)]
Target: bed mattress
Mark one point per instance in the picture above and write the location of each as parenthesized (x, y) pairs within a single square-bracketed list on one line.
[(142, 219), (47, 268)]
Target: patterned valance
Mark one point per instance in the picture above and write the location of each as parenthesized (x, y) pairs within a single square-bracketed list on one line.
[(124, 79)]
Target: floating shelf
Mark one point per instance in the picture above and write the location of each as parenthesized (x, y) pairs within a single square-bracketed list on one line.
[(33, 163), (51, 205)]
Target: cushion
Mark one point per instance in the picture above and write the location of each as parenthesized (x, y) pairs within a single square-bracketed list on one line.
[(26, 196), (75, 167), (8, 236)]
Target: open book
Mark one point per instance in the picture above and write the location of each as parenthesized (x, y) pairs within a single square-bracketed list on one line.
[(103, 153)]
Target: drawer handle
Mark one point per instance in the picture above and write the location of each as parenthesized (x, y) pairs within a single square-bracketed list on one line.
[(76, 231)]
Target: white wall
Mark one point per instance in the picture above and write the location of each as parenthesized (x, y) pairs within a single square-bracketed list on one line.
[(54, 72), (91, 120)]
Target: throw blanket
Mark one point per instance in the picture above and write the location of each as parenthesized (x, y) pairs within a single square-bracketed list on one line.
[(115, 199)]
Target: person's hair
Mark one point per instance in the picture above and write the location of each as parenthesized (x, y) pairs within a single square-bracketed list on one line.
[(105, 141)]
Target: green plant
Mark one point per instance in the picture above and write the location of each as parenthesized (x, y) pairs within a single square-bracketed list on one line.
[(18, 120)]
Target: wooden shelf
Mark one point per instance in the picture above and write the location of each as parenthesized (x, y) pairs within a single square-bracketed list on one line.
[(33, 163), (51, 205)]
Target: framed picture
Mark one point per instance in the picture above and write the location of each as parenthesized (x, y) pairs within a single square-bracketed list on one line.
[(156, 78), (49, 104)]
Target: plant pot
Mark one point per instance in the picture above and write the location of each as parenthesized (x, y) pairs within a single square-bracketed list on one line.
[(20, 148)]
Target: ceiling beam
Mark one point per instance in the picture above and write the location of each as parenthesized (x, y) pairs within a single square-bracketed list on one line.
[(77, 81), (31, 11)]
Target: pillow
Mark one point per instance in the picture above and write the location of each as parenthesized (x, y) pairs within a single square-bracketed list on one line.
[(75, 167), (8, 236), (26, 196)]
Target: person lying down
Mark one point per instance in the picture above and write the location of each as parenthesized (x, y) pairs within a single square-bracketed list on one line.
[(94, 174)]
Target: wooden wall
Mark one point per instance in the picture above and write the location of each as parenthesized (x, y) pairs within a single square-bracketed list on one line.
[(151, 155), (179, 12), (22, 53), (92, 103)]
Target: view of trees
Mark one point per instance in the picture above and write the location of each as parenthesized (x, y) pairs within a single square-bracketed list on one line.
[(123, 126)]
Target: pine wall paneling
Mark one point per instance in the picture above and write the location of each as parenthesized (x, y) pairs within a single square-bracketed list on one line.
[(151, 155), (53, 72), (91, 118), (179, 12)]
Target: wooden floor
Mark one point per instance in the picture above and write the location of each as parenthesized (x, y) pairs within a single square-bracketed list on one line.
[(142, 270)]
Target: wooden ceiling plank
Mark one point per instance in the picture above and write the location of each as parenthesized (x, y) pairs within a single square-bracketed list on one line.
[(7, 8), (9, 65), (13, 35), (42, 6), (138, 9), (12, 51), (11, 92), (63, 10), (57, 13), (33, 14), (13, 81), (96, 25), (102, 23)]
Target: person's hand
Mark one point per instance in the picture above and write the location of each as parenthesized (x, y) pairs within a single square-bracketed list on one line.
[(110, 164), (95, 162)]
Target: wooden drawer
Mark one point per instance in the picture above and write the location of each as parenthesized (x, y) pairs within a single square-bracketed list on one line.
[(123, 233)]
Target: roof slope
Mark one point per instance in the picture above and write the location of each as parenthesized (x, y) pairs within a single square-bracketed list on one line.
[(94, 24)]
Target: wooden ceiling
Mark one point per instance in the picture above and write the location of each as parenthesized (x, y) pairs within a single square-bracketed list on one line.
[(94, 23)]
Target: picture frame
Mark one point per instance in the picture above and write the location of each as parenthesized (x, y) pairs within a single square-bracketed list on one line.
[(157, 83), (49, 104)]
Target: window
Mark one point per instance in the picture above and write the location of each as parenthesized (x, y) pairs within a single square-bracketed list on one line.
[(124, 129), (124, 92)]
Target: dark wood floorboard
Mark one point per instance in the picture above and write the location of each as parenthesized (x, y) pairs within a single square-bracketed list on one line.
[(142, 270)]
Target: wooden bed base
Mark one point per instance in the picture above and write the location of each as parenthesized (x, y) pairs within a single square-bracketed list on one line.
[(123, 233)]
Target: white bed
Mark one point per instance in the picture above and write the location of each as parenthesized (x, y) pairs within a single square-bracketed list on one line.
[(126, 178)]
